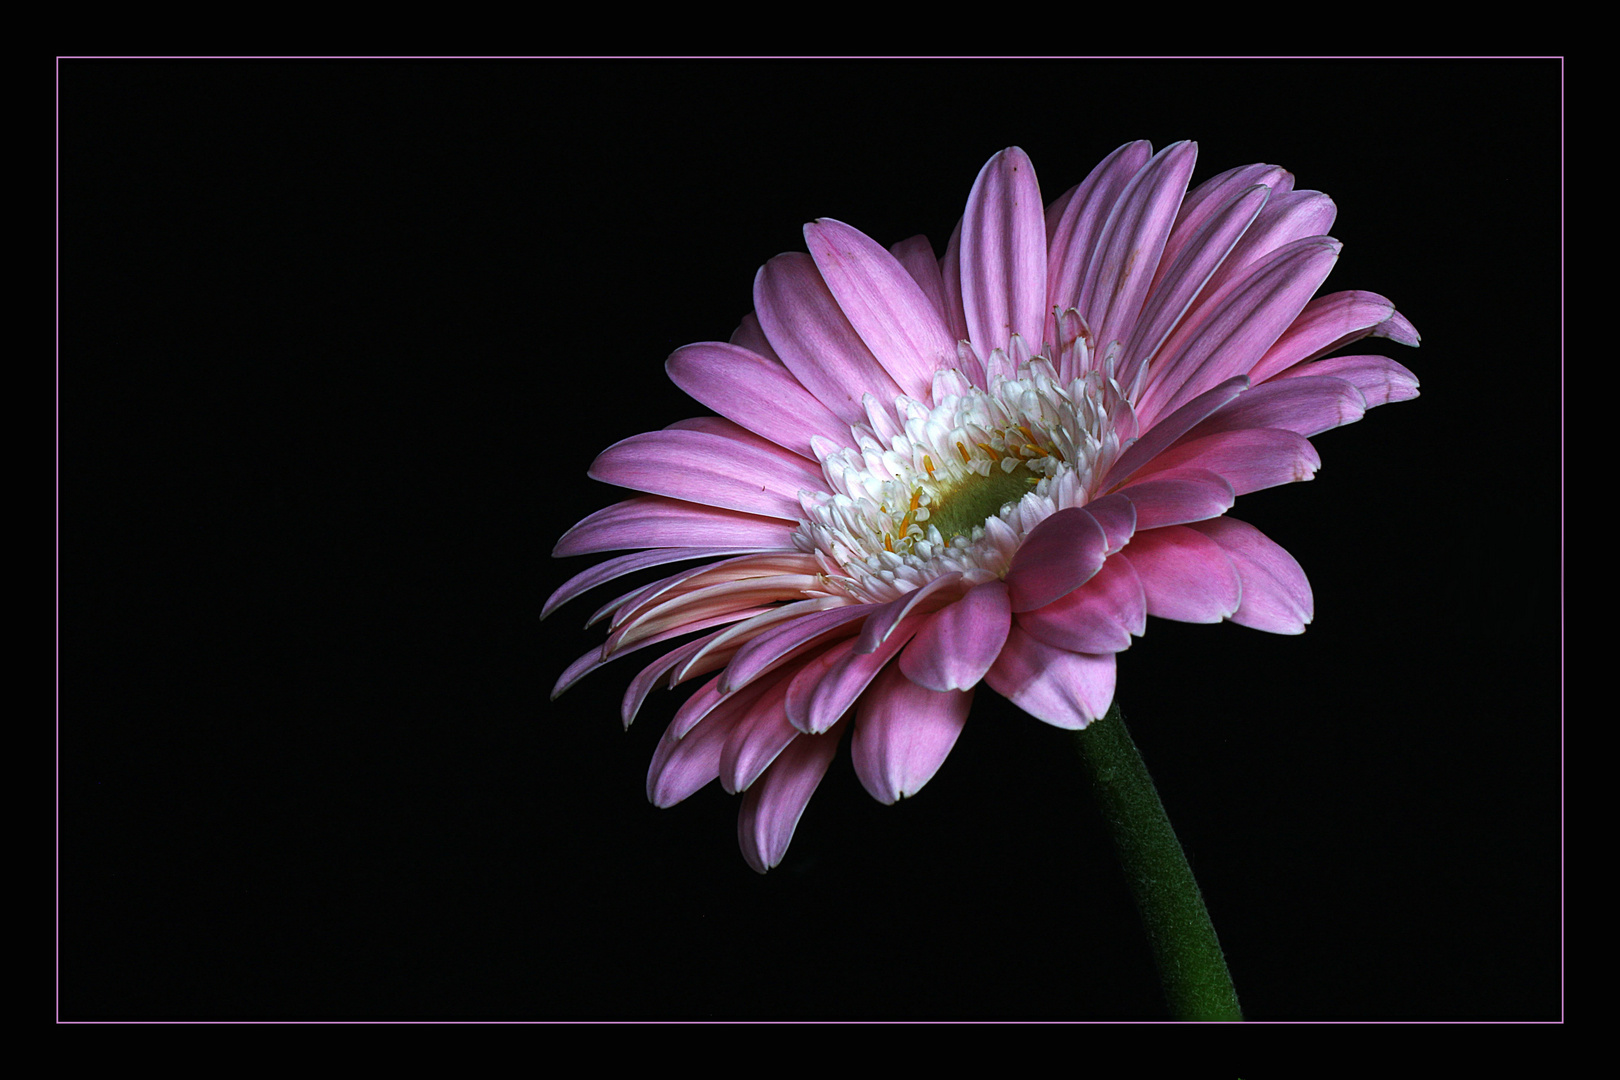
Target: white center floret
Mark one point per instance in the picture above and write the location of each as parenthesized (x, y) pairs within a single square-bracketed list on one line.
[(954, 487)]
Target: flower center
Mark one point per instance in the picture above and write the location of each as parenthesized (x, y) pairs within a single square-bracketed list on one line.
[(928, 490)]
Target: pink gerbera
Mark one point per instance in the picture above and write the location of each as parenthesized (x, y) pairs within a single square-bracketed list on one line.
[(928, 473)]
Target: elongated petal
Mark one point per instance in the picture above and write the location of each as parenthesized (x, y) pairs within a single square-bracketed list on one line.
[(707, 469), (1159, 438), (758, 735), (656, 521), (1132, 243), (1194, 266), (1057, 557), (1239, 328), (956, 645), (788, 639), (1004, 254), (772, 808), (1379, 379), (884, 304), (1276, 595), (1249, 460), (1185, 575), (760, 394), (620, 565), (815, 703), (1177, 496), (683, 766), (1099, 617), (884, 620), (916, 255), (814, 338), (903, 734), (1064, 689), (1288, 218), (1206, 200), (1305, 406), (1326, 323), (1072, 235), (1117, 516)]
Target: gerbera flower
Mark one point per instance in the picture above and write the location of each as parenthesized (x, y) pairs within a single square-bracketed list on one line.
[(931, 473)]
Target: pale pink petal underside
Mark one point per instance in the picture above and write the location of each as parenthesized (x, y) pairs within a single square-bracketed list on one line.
[(903, 733), (772, 808), (1064, 689), (956, 645)]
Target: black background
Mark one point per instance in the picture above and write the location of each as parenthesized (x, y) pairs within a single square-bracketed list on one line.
[(338, 341)]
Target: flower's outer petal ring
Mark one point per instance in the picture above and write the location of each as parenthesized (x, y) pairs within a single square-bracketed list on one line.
[(1057, 557), (956, 645), (1064, 689), (759, 394), (1186, 576), (773, 805), (884, 304), (903, 734), (1003, 254), (1276, 595), (814, 338)]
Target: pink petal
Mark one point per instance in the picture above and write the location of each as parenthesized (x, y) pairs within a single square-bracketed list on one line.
[(790, 638), (1057, 557), (1233, 332), (884, 618), (620, 565), (760, 394), (1003, 254), (814, 338), (1304, 406), (1276, 594), (1082, 213), (1206, 200), (1177, 496), (950, 269), (710, 470), (1194, 265), (903, 734), (1185, 575), (1379, 379), (956, 645), (1289, 217), (656, 521), (1117, 516), (1161, 435), (772, 808), (1129, 249), (749, 335), (916, 255), (831, 683), (884, 304), (1325, 324), (1249, 460), (1099, 617), (758, 735), (682, 766), (1064, 689)]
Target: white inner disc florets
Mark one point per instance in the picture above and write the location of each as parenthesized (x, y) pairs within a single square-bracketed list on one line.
[(928, 490)]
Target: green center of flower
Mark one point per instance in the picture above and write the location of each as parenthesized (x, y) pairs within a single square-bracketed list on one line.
[(975, 499)]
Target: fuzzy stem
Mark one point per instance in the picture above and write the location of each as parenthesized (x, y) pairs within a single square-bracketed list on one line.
[(1191, 965)]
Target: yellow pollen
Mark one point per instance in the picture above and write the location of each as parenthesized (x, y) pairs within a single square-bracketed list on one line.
[(928, 466), (960, 449)]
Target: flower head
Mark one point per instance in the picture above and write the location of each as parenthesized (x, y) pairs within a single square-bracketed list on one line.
[(930, 473)]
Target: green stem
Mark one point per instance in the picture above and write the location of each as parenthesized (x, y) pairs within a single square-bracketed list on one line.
[(1189, 957)]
